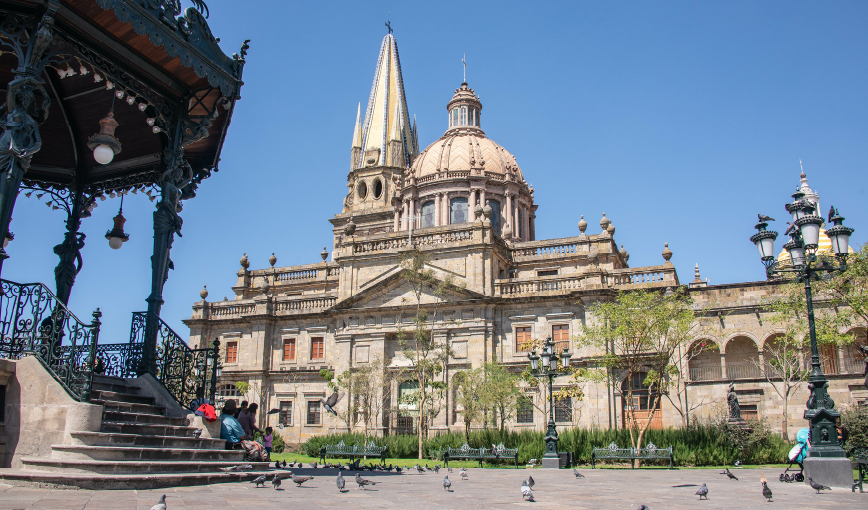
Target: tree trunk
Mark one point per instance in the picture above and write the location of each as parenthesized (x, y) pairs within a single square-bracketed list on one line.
[(419, 423), (467, 431), (784, 423)]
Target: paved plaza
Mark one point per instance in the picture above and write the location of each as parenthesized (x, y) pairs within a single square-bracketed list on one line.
[(485, 488)]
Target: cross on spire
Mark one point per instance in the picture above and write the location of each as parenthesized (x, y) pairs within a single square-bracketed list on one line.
[(464, 62), (389, 26)]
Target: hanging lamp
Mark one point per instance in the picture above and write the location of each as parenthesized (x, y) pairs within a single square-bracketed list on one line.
[(116, 236), (104, 144)]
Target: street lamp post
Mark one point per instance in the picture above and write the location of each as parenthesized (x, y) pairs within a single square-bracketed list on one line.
[(550, 369), (826, 462)]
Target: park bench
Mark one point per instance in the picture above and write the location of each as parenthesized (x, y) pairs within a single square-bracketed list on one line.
[(860, 461), (648, 453), (465, 452), (501, 452), (342, 450)]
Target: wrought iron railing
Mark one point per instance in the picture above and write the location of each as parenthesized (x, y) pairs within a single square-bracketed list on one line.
[(33, 322), (183, 371)]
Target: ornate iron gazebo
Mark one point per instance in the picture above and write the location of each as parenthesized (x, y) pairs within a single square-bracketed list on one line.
[(107, 98)]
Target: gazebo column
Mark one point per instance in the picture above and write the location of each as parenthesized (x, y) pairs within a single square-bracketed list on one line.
[(27, 105), (69, 250)]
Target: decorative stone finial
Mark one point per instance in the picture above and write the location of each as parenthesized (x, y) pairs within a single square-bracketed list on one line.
[(272, 260), (696, 272), (486, 211), (477, 212), (604, 222), (350, 227), (204, 292), (582, 224), (507, 232), (244, 262), (611, 229), (667, 253), (324, 254), (624, 254), (264, 286)]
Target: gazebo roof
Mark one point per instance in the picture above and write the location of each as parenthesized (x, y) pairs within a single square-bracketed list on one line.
[(168, 62)]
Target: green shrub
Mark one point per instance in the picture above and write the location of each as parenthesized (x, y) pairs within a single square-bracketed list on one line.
[(855, 419), (699, 445)]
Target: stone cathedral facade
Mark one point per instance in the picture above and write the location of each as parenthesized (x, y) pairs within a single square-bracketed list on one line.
[(464, 201)]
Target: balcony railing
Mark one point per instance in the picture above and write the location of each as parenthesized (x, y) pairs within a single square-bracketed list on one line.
[(743, 372), (705, 374)]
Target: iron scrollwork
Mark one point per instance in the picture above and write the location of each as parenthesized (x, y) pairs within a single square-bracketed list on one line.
[(33, 322)]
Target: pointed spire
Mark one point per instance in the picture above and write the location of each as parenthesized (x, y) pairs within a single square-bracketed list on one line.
[(357, 132), (386, 117)]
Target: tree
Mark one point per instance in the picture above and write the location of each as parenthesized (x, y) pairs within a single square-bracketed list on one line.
[(427, 356), (674, 385), (469, 396), (540, 387), (501, 392), (641, 332), (847, 295), (343, 383), (367, 388)]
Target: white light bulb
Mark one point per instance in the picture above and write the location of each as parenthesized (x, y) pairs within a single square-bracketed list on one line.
[(151, 121), (142, 106), (115, 243), (131, 100), (103, 154), (119, 94), (83, 71), (157, 129), (97, 78), (109, 85)]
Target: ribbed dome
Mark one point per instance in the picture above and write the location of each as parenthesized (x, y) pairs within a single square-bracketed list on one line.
[(466, 149), (464, 146)]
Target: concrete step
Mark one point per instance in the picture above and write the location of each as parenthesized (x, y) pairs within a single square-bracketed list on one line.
[(95, 481), (137, 453), (121, 397), (116, 416), (118, 384), (130, 407), (139, 467), (151, 441), (147, 429)]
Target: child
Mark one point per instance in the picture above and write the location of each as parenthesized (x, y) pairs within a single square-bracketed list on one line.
[(266, 441)]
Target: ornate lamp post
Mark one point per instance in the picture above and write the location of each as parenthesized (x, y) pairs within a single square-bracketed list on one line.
[(827, 462), (550, 369)]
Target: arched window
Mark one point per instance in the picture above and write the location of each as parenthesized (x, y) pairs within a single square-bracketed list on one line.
[(742, 359), (458, 210), (428, 214), (854, 358), (454, 121), (463, 115), (225, 392), (496, 216), (704, 361)]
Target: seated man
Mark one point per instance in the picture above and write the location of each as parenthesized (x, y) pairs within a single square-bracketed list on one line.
[(230, 429)]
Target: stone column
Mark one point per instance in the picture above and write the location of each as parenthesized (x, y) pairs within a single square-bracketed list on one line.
[(405, 215), (397, 225), (445, 208), (482, 197), (508, 215), (526, 226), (410, 217), (516, 231), (437, 209), (532, 230)]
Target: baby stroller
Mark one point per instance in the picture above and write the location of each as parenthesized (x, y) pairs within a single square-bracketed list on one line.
[(796, 456)]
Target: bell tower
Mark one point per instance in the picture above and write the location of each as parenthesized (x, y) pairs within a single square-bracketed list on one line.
[(384, 147)]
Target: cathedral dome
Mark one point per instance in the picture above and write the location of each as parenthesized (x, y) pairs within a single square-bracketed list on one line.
[(464, 147)]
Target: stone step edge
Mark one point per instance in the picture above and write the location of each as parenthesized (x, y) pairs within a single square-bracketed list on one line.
[(125, 435), (89, 462), (118, 403), (137, 424), (192, 451)]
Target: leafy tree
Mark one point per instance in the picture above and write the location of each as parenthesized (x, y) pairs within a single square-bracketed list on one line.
[(540, 387), (426, 354), (847, 293), (641, 332), (501, 392), (367, 388), (469, 386)]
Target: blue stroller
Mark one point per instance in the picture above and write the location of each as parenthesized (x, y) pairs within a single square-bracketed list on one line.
[(796, 456)]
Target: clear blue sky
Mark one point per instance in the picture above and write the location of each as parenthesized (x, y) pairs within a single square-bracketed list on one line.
[(680, 120)]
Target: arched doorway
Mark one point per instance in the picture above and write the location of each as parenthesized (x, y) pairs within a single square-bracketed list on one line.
[(643, 398), (742, 359)]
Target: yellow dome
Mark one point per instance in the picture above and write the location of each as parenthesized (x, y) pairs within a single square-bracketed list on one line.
[(825, 246)]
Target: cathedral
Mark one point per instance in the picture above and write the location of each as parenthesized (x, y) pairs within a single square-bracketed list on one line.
[(465, 203)]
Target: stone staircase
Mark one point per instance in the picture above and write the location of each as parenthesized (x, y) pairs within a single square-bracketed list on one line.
[(137, 447)]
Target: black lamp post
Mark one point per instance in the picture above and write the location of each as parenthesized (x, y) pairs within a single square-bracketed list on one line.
[(806, 265), (550, 369)]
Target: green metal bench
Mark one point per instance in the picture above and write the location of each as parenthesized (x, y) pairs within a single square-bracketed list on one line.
[(860, 462), (650, 452), (465, 452), (342, 450), (501, 452)]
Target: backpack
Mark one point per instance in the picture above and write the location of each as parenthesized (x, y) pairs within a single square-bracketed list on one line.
[(254, 451)]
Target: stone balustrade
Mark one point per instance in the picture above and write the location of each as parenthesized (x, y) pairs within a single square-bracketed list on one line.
[(231, 309), (278, 305), (643, 277), (646, 277), (305, 305), (543, 284), (423, 237), (559, 248)]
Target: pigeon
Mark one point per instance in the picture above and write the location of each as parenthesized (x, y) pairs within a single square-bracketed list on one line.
[(329, 403), (832, 213), (283, 465), (161, 505), (643, 507), (436, 469), (449, 469), (818, 486), (197, 433), (277, 464), (398, 470), (259, 480), (763, 218), (463, 473), (526, 492), (446, 483), (363, 481), (298, 480), (530, 482), (730, 475), (340, 482), (767, 493), (312, 464), (578, 475), (703, 491), (242, 467), (275, 482)]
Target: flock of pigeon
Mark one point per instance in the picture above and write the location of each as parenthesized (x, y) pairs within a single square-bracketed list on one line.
[(526, 485)]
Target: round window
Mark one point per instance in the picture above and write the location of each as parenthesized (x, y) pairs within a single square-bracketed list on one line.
[(362, 190), (378, 189)]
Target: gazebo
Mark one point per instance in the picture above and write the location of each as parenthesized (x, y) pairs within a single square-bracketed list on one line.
[(105, 98)]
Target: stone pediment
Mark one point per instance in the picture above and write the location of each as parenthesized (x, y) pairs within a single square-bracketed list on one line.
[(393, 290)]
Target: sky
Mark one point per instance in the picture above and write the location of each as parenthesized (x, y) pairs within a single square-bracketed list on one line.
[(680, 120)]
